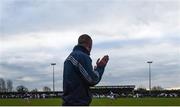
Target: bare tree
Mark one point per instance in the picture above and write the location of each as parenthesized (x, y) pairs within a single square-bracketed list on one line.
[(141, 88), (46, 89), (34, 90), (21, 88), (2, 85), (9, 86), (158, 88)]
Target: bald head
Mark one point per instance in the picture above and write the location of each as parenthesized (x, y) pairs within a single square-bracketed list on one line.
[(86, 41)]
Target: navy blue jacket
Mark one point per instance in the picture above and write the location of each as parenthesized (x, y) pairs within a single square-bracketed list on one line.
[(78, 76)]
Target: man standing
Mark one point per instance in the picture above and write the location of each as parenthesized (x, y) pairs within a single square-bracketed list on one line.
[(79, 75)]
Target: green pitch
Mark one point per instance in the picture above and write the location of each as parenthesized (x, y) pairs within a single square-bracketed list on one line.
[(96, 102)]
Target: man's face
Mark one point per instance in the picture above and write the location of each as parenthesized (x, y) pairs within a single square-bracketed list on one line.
[(89, 46)]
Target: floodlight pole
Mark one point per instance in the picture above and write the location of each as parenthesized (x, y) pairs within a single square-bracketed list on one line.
[(53, 64), (149, 62)]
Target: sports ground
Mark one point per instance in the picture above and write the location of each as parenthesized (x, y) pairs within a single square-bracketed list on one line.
[(96, 102)]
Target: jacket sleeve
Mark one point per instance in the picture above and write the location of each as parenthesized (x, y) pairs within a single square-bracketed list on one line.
[(84, 64)]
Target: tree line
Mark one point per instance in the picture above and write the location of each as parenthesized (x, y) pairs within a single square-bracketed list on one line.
[(7, 86), (154, 88)]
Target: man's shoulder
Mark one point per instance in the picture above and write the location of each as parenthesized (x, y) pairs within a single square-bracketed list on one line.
[(80, 55)]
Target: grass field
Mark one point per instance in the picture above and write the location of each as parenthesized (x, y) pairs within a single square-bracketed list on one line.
[(96, 102)]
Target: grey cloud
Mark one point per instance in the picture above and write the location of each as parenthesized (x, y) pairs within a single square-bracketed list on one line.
[(22, 66), (34, 16), (31, 76), (130, 67), (171, 39)]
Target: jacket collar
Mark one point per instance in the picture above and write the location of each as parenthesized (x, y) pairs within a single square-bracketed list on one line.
[(81, 48)]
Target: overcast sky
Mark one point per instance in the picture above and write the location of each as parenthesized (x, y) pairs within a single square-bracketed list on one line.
[(34, 33)]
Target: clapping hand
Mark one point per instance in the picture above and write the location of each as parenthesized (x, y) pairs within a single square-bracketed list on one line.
[(103, 61)]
